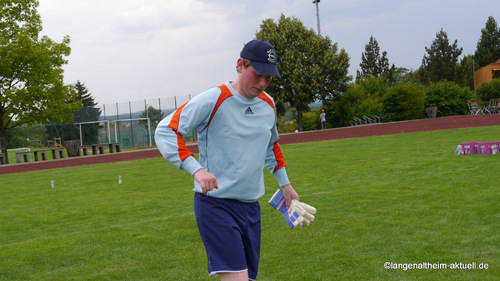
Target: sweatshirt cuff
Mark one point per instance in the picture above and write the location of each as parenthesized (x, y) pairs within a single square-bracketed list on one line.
[(191, 165), (281, 177)]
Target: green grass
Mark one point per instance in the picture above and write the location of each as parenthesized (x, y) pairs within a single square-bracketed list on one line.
[(400, 198)]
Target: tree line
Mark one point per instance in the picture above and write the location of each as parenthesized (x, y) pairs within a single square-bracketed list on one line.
[(314, 69)]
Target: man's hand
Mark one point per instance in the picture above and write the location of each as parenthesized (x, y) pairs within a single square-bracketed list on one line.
[(206, 180), (297, 214), (289, 194)]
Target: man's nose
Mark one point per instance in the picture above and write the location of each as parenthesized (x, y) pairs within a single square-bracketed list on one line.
[(264, 80)]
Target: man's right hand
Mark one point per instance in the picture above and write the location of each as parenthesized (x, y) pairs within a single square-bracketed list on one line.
[(206, 180)]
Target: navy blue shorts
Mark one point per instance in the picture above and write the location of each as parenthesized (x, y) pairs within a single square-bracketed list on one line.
[(230, 231)]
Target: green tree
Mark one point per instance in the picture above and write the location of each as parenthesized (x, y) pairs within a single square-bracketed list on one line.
[(154, 115), (373, 64), (361, 99), (87, 112), (403, 75), (491, 90), (488, 46), (311, 120), (400, 73), (441, 60), (449, 98), (465, 74), (311, 67), (31, 75), (403, 102)]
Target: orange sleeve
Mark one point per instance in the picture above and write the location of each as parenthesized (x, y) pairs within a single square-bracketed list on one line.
[(225, 93), (182, 148), (279, 156)]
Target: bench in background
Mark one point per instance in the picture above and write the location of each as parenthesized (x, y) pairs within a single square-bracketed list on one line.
[(114, 146), (57, 152), (99, 148), (40, 153), (22, 156)]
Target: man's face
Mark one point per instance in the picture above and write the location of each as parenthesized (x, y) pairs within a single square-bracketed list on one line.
[(251, 82)]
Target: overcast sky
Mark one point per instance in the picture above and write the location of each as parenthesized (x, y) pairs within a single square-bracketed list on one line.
[(130, 50)]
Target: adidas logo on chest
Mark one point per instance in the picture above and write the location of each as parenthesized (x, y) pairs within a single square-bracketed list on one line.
[(249, 110)]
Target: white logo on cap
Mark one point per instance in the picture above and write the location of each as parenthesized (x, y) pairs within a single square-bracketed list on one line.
[(271, 56)]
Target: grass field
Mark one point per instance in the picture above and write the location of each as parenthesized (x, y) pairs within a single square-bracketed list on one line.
[(405, 199)]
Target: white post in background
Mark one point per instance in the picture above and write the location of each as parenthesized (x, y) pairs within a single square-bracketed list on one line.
[(317, 14)]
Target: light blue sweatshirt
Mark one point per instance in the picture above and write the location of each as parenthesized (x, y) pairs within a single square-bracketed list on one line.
[(237, 138)]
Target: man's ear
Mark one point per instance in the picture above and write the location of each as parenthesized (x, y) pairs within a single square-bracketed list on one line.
[(240, 65)]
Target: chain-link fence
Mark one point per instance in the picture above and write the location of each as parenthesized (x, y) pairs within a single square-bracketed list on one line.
[(132, 124)]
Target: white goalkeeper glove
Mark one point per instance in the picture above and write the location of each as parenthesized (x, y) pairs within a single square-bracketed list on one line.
[(297, 215), (300, 213)]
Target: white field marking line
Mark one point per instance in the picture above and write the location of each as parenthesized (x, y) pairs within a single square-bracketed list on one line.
[(93, 230), (328, 192), (318, 193)]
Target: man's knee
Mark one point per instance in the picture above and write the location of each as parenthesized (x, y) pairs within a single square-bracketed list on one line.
[(234, 276)]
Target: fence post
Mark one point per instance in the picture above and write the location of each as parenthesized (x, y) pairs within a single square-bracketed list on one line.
[(131, 124)]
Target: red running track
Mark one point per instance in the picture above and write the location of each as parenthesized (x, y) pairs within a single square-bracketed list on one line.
[(432, 124)]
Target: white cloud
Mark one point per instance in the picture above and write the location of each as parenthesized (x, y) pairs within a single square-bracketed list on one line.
[(130, 50)]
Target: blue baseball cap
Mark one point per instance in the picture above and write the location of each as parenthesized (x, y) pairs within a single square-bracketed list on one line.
[(262, 56)]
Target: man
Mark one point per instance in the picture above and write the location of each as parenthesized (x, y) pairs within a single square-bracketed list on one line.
[(236, 124), (322, 119)]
